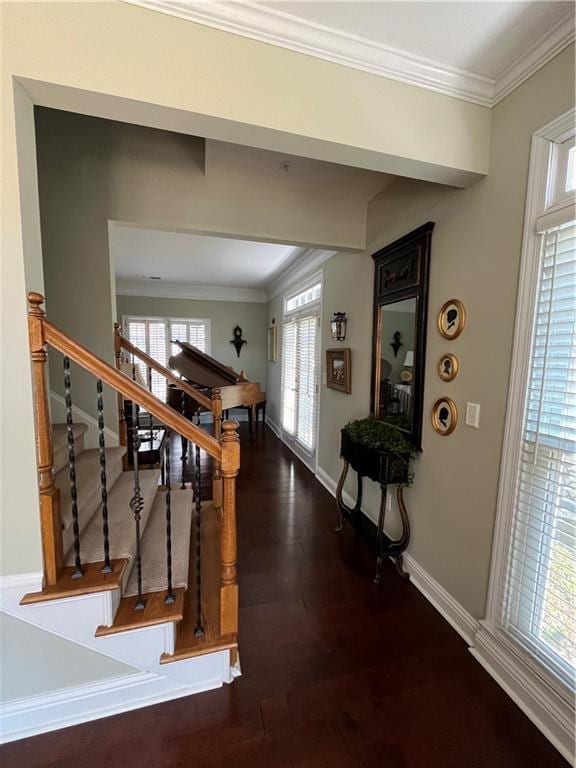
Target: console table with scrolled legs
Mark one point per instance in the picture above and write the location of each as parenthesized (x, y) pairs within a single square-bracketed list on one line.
[(385, 469)]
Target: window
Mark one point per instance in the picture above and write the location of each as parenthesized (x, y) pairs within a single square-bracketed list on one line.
[(154, 335), (540, 596), (532, 597), (301, 299), (300, 368)]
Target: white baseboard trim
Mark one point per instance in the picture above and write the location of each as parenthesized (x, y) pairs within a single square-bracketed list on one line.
[(445, 604), (552, 713), (273, 426), (458, 618), (58, 415), (60, 709), (549, 712)]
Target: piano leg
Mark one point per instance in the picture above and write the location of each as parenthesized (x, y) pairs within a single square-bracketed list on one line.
[(250, 409)]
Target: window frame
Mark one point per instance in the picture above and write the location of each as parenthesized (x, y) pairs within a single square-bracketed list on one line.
[(544, 209), (311, 308)]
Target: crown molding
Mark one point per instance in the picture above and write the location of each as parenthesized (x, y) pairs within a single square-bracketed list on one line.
[(309, 260), (551, 44), (275, 27), (167, 290)]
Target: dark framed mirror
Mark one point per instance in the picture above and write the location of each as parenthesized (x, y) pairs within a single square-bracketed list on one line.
[(399, 333)]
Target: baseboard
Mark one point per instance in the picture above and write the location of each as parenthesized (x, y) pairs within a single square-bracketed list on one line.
[(60, 709), (457, 616), (549, 712), (445, 604), (273, 426), (58, 415), (552, 713)]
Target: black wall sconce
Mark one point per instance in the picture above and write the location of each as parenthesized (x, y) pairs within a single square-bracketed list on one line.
[(238, 341), (396, 344), (338, 326)]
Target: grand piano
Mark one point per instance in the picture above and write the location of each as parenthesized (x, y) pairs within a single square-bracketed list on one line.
[(205, 373)]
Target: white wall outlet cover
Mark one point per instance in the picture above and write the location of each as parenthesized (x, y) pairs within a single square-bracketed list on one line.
[(473, 415)]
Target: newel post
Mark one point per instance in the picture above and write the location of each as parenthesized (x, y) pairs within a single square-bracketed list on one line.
[(228, 578), (50, 522), (122, 428), (217, 472)]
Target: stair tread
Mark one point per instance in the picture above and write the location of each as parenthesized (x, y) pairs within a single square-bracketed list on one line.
[(60, 435), (60, 443), (154, 577), (122, 535), (87, 487)]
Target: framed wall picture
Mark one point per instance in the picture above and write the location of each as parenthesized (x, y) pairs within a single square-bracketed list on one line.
[(444, 416), (448, 366), (338, 370), (273, 343), (452, 319)]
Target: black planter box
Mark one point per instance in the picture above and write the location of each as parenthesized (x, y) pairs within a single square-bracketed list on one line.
[(383, 467)]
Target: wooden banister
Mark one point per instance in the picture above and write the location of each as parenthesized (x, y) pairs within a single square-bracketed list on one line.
[(50, 522), (130, 389), (126, 345), (228, 547)]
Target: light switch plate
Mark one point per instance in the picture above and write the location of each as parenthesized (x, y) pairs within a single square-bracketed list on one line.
[(473, 415)]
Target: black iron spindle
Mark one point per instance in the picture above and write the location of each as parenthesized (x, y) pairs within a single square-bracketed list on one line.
[(72, 469), (169, 599), (107, 568), (137, 504), (184, 441), (151, 419), (199, 631)]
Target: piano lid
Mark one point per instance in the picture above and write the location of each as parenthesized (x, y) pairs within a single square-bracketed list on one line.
[(201, 369)]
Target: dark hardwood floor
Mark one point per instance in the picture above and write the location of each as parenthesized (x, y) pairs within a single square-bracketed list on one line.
[(336, 672)]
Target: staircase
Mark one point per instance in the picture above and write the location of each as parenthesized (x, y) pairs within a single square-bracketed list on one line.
[(136, 566)]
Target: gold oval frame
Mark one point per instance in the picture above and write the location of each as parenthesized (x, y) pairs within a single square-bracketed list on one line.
[(455, 367), (451, 405), (461, 318)]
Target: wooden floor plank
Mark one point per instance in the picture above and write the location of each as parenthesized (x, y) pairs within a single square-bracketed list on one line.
[(335, 670)]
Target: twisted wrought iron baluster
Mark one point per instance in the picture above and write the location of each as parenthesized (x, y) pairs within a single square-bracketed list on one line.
[(199, 631), (184, 440), (103, 483), (151, 418), (77, 573), (170, 594), (137, 504)]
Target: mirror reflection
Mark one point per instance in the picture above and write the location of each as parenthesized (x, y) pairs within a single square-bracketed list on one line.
[(397, 334)]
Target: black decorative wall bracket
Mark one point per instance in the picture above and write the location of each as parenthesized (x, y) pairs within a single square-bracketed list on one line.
[(238, 341)]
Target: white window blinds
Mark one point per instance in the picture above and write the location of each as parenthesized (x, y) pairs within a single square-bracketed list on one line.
[(299, 380), (153, 335), (540, 591)]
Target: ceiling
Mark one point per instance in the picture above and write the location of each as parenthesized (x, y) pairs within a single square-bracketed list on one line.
[(185, 259), (480, 37), (476, 51)]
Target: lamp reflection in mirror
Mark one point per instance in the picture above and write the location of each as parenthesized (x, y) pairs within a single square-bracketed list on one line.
[(409, 359), (338, 326)]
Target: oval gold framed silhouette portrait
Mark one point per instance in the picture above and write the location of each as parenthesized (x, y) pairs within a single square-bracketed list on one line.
[(448, 366), (444, 416), (452, 319)]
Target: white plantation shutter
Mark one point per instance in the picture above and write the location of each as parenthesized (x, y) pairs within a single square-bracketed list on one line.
[(539, 600), (299, 380), (193, 332), (289, 377), (306, 381), (153, 335)]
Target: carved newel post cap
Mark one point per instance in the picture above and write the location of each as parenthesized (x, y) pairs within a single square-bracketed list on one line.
[(229, 430), (35, 300)]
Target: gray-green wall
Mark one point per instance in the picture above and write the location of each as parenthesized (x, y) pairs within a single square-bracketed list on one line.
[(476, 249)]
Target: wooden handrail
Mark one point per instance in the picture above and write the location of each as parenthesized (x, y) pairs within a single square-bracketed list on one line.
[(195, 394), (130, 389)]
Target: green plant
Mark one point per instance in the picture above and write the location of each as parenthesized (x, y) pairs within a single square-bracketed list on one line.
[(380, 436)]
